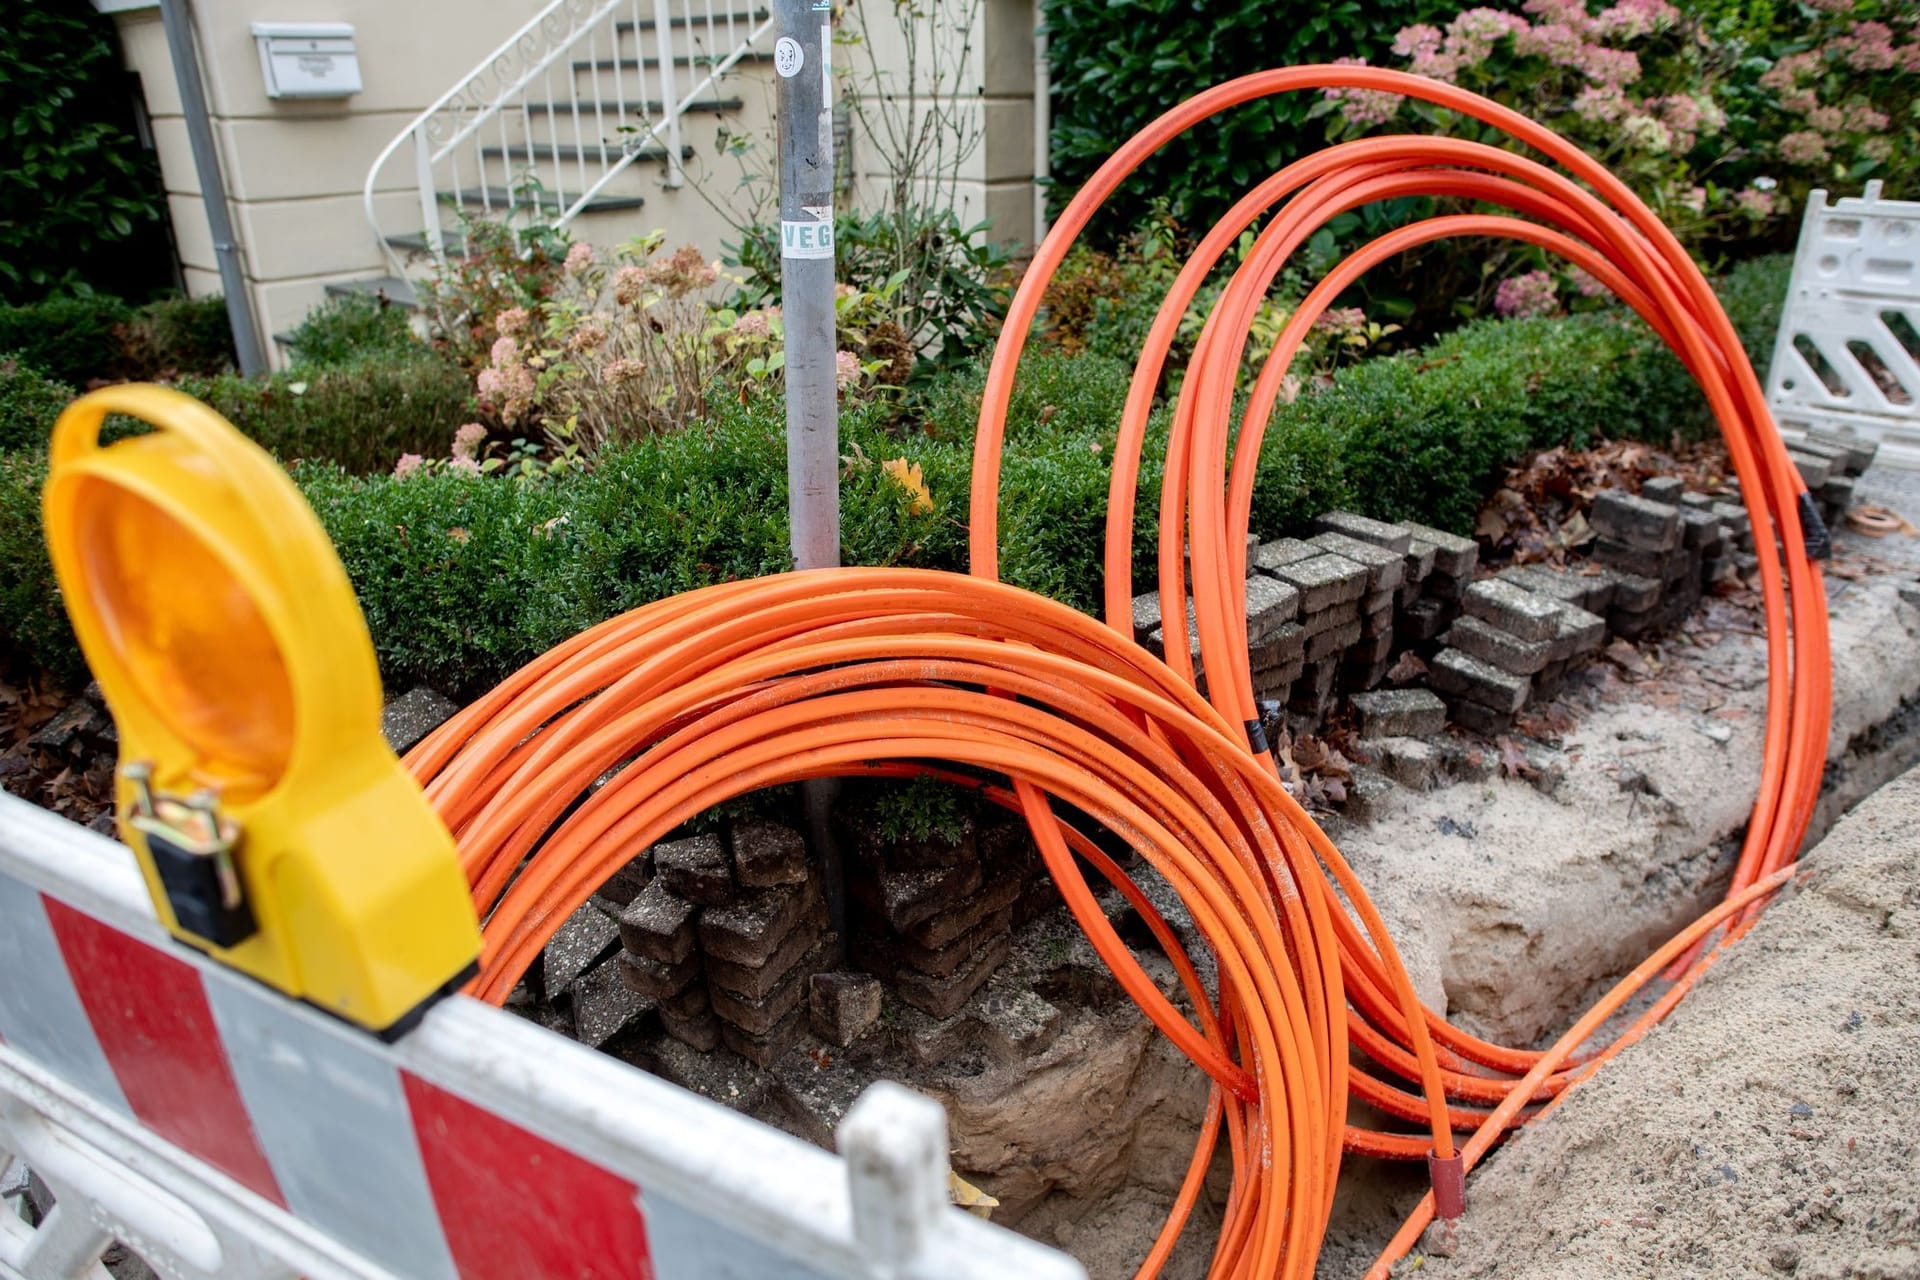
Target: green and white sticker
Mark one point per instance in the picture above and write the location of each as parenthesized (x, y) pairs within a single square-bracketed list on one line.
[(806, 239)]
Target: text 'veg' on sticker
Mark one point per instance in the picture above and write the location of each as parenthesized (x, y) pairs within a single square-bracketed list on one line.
[(806, 239)]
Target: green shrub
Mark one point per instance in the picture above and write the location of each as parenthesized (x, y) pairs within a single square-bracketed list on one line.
[(82, 205), (29, 402), (34, 631), (81, 340), (72, 339), (177, 335), (345, 329), (463, 579), (1118, 66), (362, 416)]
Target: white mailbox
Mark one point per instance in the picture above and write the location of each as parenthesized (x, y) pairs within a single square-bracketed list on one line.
[(307, 59)]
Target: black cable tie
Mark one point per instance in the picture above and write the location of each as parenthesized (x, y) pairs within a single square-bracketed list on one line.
[(1814, 529), (1257, 737)]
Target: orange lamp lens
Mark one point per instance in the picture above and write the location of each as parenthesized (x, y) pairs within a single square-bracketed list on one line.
[(188, 635)]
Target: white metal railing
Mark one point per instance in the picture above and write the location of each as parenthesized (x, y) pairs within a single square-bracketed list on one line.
[(571, 100)]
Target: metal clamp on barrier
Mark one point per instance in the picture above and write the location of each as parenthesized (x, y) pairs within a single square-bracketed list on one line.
[(224, 1131)]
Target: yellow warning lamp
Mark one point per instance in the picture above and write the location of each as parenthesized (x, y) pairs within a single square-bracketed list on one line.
[(274, 826)]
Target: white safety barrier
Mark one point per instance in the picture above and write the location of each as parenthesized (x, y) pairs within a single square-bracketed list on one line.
[(1847, 358), (221, 1130)]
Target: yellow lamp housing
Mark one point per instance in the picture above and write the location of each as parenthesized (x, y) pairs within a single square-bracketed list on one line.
[(275, 828)]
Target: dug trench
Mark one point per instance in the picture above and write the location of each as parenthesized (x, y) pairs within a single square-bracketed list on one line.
[(1519, 878)]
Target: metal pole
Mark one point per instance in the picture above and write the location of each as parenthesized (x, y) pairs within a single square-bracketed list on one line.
[(802, 58), (806, 281), (213, 188)]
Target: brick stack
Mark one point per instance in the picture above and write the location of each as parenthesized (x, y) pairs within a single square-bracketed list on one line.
[(1830, 462), (934, 918), (725, 936), (1506, 638), (1327, 614)]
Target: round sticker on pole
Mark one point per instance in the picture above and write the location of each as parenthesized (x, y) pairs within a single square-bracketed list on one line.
[(788, 57)]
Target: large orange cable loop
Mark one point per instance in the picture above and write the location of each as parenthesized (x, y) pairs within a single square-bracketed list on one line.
[(615, 738)]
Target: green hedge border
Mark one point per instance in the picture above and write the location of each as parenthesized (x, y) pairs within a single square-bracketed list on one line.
[(462, 579)]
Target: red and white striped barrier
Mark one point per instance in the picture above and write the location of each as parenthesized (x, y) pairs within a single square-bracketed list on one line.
[(221, 1130)]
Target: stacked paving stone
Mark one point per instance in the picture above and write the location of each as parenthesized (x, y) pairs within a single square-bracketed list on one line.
[(934, 917), (1829, 463), (1326, 615), (724, 937), (1509, 646)]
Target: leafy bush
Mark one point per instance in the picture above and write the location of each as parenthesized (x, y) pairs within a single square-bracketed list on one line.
[(1118, 66), (1721, 121), (82, 203), (177, 335), (463, 577), (362, 416), (72, 339), (29, 402), (946, 285), (99, 338), (499, 268), (33, 623), (347, 329)]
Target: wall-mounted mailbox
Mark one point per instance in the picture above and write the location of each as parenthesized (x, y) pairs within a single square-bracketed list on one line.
[(308, 59)]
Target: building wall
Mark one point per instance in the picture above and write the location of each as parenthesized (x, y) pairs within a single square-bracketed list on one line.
[(295, 169)]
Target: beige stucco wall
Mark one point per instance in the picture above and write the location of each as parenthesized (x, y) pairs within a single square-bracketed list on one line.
[(295, 169)]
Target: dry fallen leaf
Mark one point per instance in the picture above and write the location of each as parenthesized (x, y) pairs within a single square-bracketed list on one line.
[(907, 476)]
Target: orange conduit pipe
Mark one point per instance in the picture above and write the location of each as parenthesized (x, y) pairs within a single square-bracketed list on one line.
[(567, 769)]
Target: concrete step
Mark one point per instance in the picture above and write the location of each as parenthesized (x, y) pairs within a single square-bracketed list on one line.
[(751, 18), (503, 198), (699, 61), (567, 152), (711, 106), (394, 289)]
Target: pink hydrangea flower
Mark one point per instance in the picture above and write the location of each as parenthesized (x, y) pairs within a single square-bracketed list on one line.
[(1341, 321), (1647, 133), (1411, 40), (1586, 284), (630, 285), (468, 439), (1803, 147), (846, 369), (620, 372), (1868, 47), (753, 324), (1557, 42), (511, 321), (1363, 107), (505, 352), (1602, 104), (1568, 13), (408, 464), (579, 258), (1753, 202), (464, 466), (1610, 66), (1864, 119), (1632, 19), (1531, 294)]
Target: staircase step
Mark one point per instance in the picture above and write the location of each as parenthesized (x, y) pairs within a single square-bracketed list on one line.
[(629, 64), (503, 198), (738, 17), (567, 151), (392, 288), (716, 106)]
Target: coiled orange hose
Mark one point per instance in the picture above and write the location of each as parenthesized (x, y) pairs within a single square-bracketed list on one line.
[(572, 766)]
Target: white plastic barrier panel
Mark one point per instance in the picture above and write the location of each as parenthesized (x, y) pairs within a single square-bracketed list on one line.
[(1847, 358), (221, 1130)]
